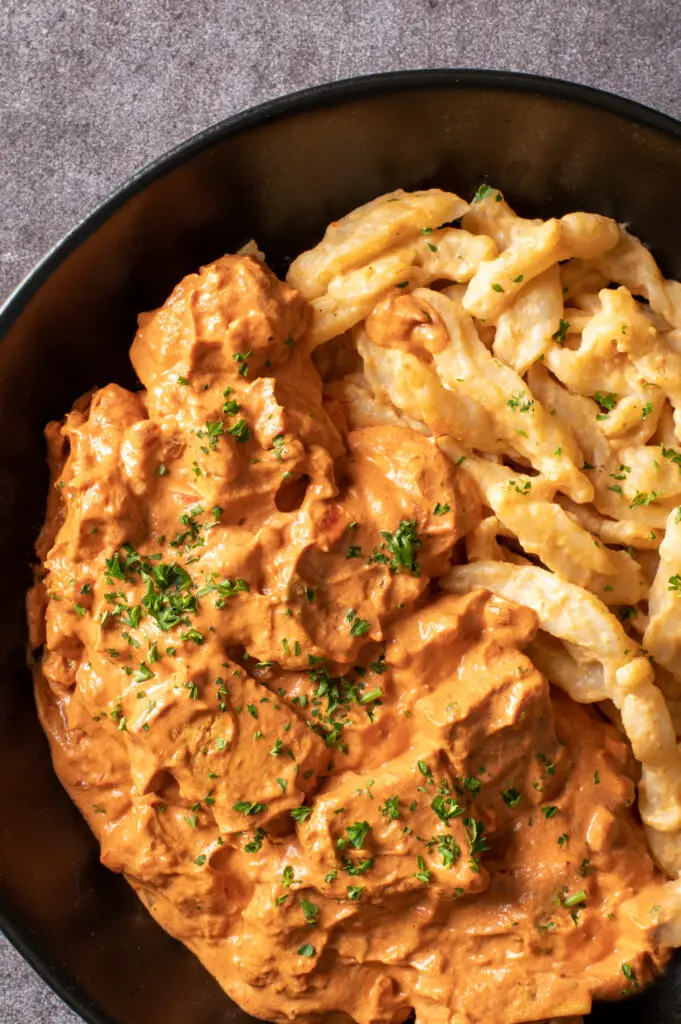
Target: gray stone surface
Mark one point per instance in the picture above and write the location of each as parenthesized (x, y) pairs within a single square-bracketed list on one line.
[(90, 90)]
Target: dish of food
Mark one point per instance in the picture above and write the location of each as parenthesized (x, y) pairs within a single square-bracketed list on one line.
[(358, 621)]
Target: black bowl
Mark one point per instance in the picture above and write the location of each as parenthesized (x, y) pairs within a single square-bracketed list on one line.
[(278, 173)]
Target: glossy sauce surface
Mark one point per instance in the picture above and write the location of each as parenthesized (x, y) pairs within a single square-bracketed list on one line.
[(346, 791)]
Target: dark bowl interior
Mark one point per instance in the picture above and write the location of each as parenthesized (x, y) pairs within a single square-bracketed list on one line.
[(279, 174)]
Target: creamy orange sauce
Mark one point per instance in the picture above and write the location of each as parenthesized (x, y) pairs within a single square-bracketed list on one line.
[(346, 791), (410, 323)]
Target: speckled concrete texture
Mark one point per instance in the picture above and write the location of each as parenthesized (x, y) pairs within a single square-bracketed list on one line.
[(90, 90)]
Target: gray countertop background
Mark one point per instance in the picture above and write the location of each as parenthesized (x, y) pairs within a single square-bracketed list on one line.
[(90, 90)]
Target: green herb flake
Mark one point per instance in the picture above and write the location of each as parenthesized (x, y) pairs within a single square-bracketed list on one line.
[(356, 834), (575, 899), (301, 813), (248, 808), (606, 399), (561, 334), (310, 911)]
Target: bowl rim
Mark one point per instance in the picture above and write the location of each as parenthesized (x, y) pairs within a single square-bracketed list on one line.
[(300, 101), (328, 93)]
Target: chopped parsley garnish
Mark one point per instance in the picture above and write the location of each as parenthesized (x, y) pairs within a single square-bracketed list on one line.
[(214, 431), (402, 545), (672, 455), (522, 489), (287, 878), (255, 844), (355, 891), (449, 849), (165, 599), (440, 510), (521, 402), (423, 874), (279, 450), (244, 807), (446, 808), (477, 840), (483, 191), (241, 358), (626, 612), (630, 974), (306, 950), (370, 696), (561, 334), (354, 551), (356, 834), (230, 406), (646, 411), (575, 900), (606, 399), (115, 568), (549, 812), (359, 627), (310, 911), (228, 588), (192, 635), (391, 808), (512, 796), (240, 431), (360, 868), (562, 839), (643, 498), (301, 813)]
